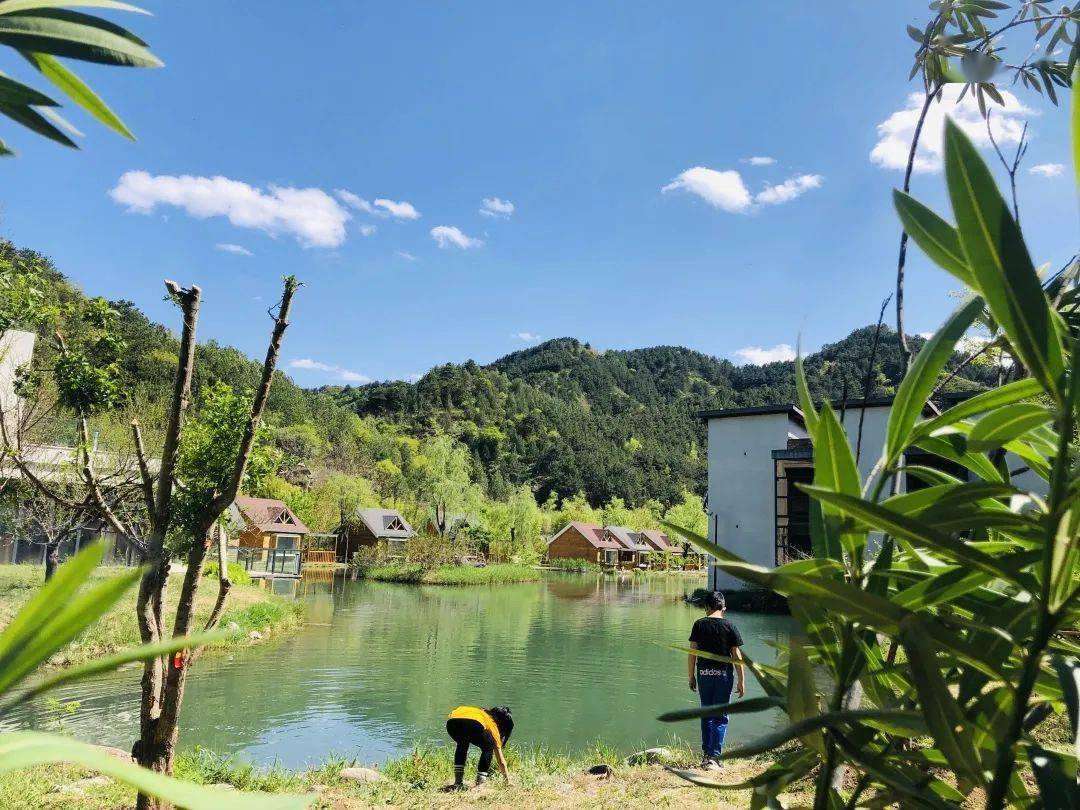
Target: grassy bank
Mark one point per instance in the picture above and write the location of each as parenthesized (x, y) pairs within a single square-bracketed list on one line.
[(250, 608), (539, 778), (500, 574)]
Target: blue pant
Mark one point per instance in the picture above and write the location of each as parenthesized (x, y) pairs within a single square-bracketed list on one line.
[(714, 686)]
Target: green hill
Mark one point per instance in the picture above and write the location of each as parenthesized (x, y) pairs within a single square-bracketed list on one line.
[(560, 417)]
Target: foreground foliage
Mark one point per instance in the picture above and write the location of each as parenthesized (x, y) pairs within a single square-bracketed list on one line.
[(41, 31), (540, 778), (944, 618), (57, 614)]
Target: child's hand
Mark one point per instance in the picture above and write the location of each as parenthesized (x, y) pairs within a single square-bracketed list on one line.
[(740, 689), (693, 685)]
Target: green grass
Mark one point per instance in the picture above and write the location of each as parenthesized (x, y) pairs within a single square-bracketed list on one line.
[(249, 607), (500, 574), (566, 564), (539, 777)]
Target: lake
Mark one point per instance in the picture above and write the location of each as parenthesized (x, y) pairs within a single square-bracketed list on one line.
[(578, 658)]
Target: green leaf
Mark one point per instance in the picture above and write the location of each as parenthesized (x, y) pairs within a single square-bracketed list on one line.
[(802, 698), (113, 662), (765, 678), (49, 600), (815, 623), (950, 728), (840, 719), (937, 238), (74, 35), (981, 403), (834, 468), (912, 530), (28, 749), (1076, 119), (1007, 423), (77, 90), (32, 119), (810, 414), (13, 6), (1068, 671), (919, 382), (1000, 262), (758, 704), (1056, 779), (953, 447), (19, 94), (63, 626)]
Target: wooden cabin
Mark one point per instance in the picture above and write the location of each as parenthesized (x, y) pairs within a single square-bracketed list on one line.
[(583, 541), (268, 523), (632, 551), (371, 528)]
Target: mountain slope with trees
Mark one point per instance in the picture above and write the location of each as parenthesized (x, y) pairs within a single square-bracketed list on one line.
[(556, 420)]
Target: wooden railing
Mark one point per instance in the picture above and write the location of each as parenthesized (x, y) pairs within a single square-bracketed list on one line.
[(313, 557)]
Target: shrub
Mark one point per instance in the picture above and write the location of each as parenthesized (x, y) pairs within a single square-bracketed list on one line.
[(237, 573), (567, 564)]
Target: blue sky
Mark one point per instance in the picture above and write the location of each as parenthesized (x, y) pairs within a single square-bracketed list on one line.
[(577, 115)]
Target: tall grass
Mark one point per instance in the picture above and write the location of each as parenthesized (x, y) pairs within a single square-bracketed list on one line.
[(500, 574)]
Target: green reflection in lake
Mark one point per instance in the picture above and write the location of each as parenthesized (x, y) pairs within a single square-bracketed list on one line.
[(578, 658)]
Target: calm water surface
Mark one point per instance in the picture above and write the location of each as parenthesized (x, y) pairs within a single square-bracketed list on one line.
[(378, 666)]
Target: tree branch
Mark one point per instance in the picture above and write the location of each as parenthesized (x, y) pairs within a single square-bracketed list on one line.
[(144, 466), (224, 499)]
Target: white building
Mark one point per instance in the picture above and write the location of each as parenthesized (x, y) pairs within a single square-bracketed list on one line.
[(755, 457), (16, 351)]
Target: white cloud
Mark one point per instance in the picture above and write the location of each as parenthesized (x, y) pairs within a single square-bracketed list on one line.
[(404, 254), (727, 191), (494, 207), (760, 161), (338, 372), (397, 210), (528, 337), (788, 190), (724, 190), (228, 247), (896, 131), (759, 355), (449, 236), (310, 215), (367, 229), (1048, 169), (381, 207)]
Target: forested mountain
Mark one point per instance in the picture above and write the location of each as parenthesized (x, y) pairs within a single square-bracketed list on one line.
[(558, 418), (565, 418)]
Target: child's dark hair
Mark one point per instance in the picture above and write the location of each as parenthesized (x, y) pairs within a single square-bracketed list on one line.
[(502, 718), (714, 600)]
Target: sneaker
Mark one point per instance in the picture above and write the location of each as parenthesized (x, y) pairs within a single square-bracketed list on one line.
[(709, 764)]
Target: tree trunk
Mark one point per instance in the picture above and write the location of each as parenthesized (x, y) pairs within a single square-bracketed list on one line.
[(52, 559), (156, 749)]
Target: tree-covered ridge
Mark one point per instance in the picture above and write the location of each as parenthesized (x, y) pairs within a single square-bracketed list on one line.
[(557, 419), (563, 417)]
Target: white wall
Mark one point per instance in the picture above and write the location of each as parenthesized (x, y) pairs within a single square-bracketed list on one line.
[(741, 479), (16, 350), (741, 487)]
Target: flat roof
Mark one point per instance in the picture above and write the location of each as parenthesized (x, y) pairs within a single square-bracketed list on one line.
[(757, 410), (838, 405)]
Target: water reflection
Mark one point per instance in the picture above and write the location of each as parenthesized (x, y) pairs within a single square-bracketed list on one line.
[(578, 657)]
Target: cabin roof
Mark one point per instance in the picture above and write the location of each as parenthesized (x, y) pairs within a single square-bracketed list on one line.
[(385, 523), (658, 539), (627, 538), (269, 515), (592, 533)]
